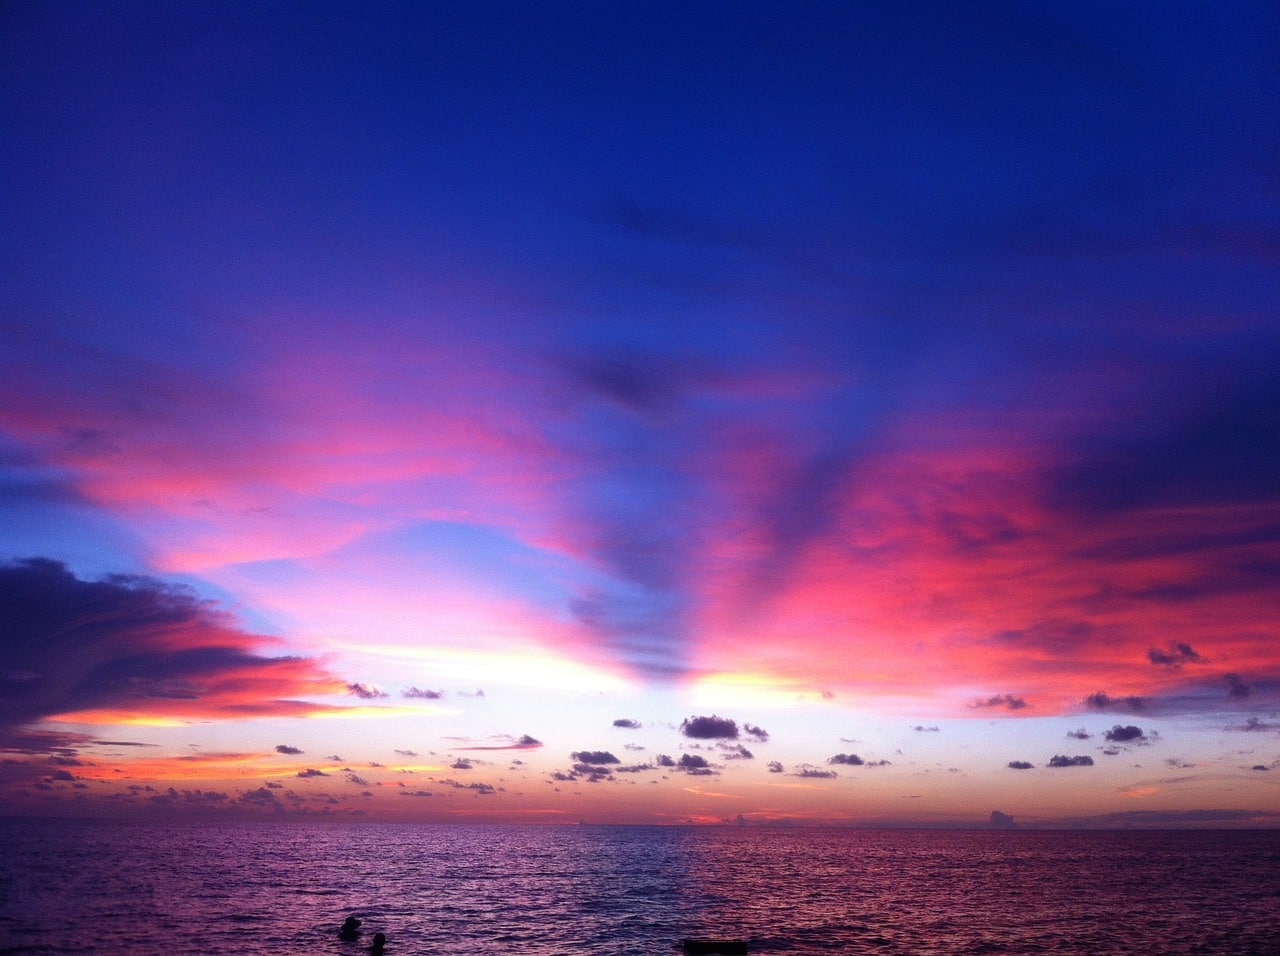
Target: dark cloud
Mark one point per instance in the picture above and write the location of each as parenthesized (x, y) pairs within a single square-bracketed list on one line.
[(414, 693), (627, 723), (592, 772), (1214, 452), (758, 734), (1237, 689), (286, 749), (735, 752), (1058, 637), (1177, 654), (1005, 701), (1184, 818), (415, 793), (261, 799), (366, 691), (709, 728), (481, 789), (134, 645), (695, 765), (665, 761), (311, 772), (1079, 761), (356, 779), (1255, 725), (1020, 765), (594, 757), (462, 763), (1103, 701), (851, 760), (1080, 734), (1129, 734), (776, 767), (173, 797)]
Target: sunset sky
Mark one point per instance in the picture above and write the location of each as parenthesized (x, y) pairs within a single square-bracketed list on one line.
[(864, 413)]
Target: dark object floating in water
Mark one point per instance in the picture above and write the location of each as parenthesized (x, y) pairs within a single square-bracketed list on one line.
[(350, 929), (722, 947)]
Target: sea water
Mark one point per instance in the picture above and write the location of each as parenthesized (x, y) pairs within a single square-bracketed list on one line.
[(123, 888)]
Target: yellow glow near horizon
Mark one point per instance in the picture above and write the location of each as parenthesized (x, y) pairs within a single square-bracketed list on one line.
[(530, 668), (750, 690)]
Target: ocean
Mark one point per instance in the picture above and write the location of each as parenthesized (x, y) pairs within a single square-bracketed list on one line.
[(129, 888)]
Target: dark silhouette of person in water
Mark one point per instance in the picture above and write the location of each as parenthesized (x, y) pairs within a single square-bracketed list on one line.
[(350, 929), (379, 944)]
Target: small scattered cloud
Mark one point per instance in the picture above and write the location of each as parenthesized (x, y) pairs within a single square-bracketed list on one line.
[(1004, 701), (366, 691), (1021, 765), (524, 742), (594, 758), (758, 734), (1080, 734), (709, 728), (312, 772), (415, 693), (407, 753), (479, 788), (1177, 654), (286, 749), (415, 793), (735, 751), (626, 723), (1124, 735), (1078, 761), (776, 767), (850, 760), (694, 765), (462, 763), (808, 772), (664, 761), (921, 729)]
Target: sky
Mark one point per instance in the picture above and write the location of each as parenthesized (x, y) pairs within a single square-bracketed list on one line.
[(788, 414)]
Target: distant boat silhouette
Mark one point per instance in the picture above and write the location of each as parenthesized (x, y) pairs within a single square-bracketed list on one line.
[(721, 947)]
